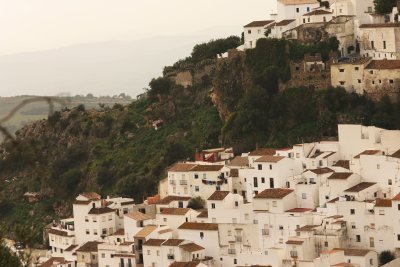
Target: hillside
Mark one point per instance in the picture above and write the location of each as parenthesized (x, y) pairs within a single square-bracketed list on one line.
[(200, 103), (40, 110)]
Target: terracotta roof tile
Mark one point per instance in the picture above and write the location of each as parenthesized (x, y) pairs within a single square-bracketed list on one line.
[(343, 163), (259, 23), (384, 203), (299, 210), (175, 211), (239, 162), (191, 247), (274, 193), (169, 199), (199, 226), (306, 228), (397, 197), (181, 167), (340, 175), (207, 168), (263, 152), (146, 231), (138, 216), (234, 173), (101, 210), (173, 242), (318, 12), (321, 170), (185, 264), (359, 187), (396, 154), (71, 248), (203, 214), (154, 242), (368, 152), (285, 22), (270, 159), (58, 232), (89, 247), (219, 195)]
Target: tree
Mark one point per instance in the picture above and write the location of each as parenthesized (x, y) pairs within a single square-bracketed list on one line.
[(385, 257), (8, 258), (384, 6), (196, 203)]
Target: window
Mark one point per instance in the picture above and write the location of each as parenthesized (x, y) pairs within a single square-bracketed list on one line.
[(271, 183), (353, 225), (356, 68), (304, 20), (196, 189), (255, 182), (201, 235), (262, 180), (391, 81), (371, 72), (204, 176), (104, 231), (324, 19), (341, 82), (95, 231), (398, 237), (352, 211), (164, 219), (398, 206), (378, 166), (341, 70), (297, 155), (297, 10), (236, 203), (235, 261), (270, 166), (158, 253), (110, 217), (148, 252), (381, 212), (373, 82), (103, 218), (213, 205), (358, 238), (259, 31), (86, 219), (87, 232), (246, 216), (390, 182), (229, 232), (372, 45), (249, 31), (380, 81), (196, 176), (274, 203), (280, 227), (259, 166), (308, 9), (384, 44), (326, 244), (304, 195)]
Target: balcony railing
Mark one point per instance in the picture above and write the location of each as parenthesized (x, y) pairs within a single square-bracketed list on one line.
[(183, 182), (265, 231), (232, 251)]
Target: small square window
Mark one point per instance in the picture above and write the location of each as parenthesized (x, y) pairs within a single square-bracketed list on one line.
[(304, 195), (352, 211), (213, 205)]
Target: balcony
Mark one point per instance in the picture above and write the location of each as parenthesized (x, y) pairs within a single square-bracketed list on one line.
[(170, 256), (232, 251), (265, 231), (238, 239), (183, 182), (172, 182)]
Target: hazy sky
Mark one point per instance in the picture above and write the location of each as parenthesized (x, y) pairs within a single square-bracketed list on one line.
[(31, 25)]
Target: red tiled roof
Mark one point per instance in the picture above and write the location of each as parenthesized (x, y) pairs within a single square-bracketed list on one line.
[(89, 247), (181, 167), (321, 170), (207, 168), (175, 211), (219, 195), (263, 152), (239, 162), (318, 12), (397, 197), (384, 203), (359, 187), (354, 252), (154, 242), (270, 159), (169, 199), (259, 23), (199, 226), (191, 247), (173, 242), (299, 210), (234, 173), (91, 195), (340, 175), (294, 242), (274, 193), (285, 22), (101, 210), (396, 154), (343, 163), (368, 152)]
